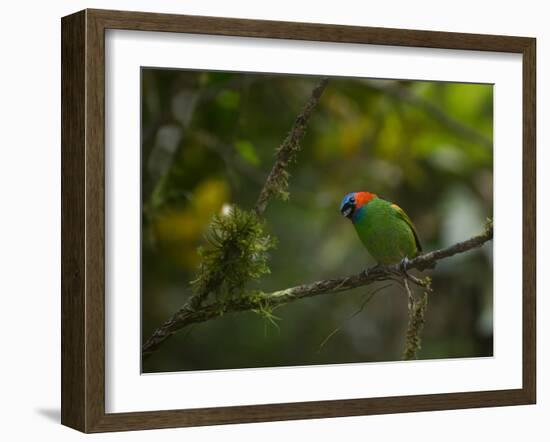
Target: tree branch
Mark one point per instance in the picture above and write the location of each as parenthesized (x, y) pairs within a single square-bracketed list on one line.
[(277, 180), (188, 314)]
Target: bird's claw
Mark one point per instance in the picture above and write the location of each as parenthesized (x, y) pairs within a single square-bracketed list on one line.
[(403, 265)]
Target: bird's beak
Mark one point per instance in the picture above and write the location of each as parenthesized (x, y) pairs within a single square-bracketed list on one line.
[(347, 210)]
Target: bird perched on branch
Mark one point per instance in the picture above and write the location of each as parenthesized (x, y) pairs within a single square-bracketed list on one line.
[(383, 227)]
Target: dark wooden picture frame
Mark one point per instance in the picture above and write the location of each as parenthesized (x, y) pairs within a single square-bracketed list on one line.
[(83, 220)]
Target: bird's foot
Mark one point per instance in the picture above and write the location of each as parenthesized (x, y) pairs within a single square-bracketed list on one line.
[(403, 266)]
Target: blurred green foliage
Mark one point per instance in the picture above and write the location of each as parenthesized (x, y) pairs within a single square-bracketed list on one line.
[(208, 143)]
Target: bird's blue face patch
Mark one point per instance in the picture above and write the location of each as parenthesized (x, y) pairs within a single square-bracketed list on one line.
[(347, 199), (348, 205)]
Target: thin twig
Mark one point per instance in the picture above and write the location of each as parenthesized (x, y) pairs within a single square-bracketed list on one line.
[(365, 301), (410, 297)]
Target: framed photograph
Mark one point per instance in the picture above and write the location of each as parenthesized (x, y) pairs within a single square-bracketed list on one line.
[(269, 220)]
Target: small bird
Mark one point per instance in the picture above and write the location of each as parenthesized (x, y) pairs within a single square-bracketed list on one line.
[(383, 227)]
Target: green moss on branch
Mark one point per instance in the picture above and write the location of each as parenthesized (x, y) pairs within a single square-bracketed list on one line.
[(236, 252)]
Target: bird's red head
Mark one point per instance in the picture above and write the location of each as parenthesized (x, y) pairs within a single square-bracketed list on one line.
[(362, 198)]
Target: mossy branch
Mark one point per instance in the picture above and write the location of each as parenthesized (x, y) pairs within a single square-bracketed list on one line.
[(417, 312), (187, 315), (276, 183)]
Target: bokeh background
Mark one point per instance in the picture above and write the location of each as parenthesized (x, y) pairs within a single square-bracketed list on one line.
[(208, 140)]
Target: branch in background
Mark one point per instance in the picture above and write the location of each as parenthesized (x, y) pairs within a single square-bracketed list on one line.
[(277, 181), (188, 315), (435, 111)]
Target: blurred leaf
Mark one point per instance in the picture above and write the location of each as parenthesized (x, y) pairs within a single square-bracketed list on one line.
[(209, 197), (467, 101), (248, 152), (180, 230), (229, 99), (448, 158)]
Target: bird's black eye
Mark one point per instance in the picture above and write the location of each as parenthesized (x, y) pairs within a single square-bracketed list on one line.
[(352, 200)]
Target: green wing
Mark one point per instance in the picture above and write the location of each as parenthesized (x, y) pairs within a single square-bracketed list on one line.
[(403, 216)]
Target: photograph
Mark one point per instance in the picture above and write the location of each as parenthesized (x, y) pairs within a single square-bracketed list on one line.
[(268, 219), (297, 220)]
